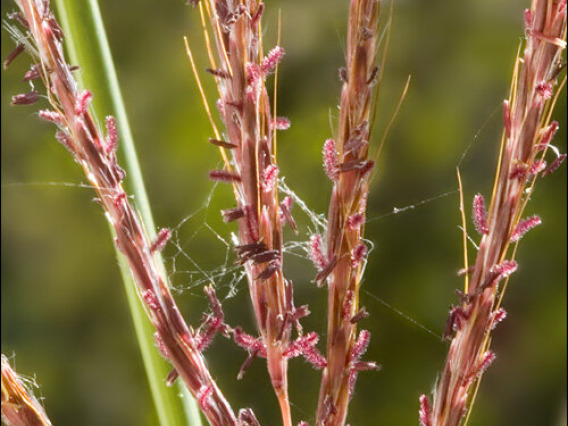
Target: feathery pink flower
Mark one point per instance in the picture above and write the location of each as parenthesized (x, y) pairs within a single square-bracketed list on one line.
[(480, 215), (272, 59), (425, 412), (316, 252), (330, 159), (281, 123), (525, 226), (161, 240), (269, 177)]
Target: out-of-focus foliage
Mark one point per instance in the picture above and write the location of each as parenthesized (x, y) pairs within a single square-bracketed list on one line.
[(64, 314)]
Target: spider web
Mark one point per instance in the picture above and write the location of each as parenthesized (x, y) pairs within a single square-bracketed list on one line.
[(188, 274)]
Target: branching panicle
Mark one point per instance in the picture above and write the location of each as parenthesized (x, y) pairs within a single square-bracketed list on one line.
[(241, 68)]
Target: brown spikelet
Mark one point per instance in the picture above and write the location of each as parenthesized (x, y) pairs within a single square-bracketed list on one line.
[(19, 407)]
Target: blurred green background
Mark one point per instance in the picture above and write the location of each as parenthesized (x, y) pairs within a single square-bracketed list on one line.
[(64, 314)]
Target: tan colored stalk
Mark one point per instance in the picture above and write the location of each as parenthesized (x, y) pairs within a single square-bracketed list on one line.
[(240, 70), (19, 407), (96, 154), (526, 138), (347, 164)]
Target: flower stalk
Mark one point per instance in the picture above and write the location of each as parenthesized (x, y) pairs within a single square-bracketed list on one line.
[(240, 69), (96, 154), (526, 139), (86, 44), (347, 164)]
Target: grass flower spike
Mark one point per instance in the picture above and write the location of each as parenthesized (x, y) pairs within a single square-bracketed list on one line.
[(96, 154), (527, 135), (347, 165), (241, 69)]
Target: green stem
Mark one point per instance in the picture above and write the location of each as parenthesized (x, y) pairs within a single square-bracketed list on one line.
[(88, 46)]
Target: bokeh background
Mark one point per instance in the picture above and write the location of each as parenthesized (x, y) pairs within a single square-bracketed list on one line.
[(64, 313)]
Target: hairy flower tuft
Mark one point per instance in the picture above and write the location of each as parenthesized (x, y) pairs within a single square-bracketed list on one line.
[(505, 268), (480, 215), (269, 177), (316, 252), (306, 346), (151, 300), (544, 90), (358, 254), (330, 159), (83, 100), (484, 363), (361, 344), (161, 240), (537, 167), (555, 165), (355, 220), (246, 341), (51, 116), (203, 398), (425, 412), (253, 72), (497, 317), (272, 59), (528, 19), (281, 123), (111, 134), (525, 226), (64, 139)]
